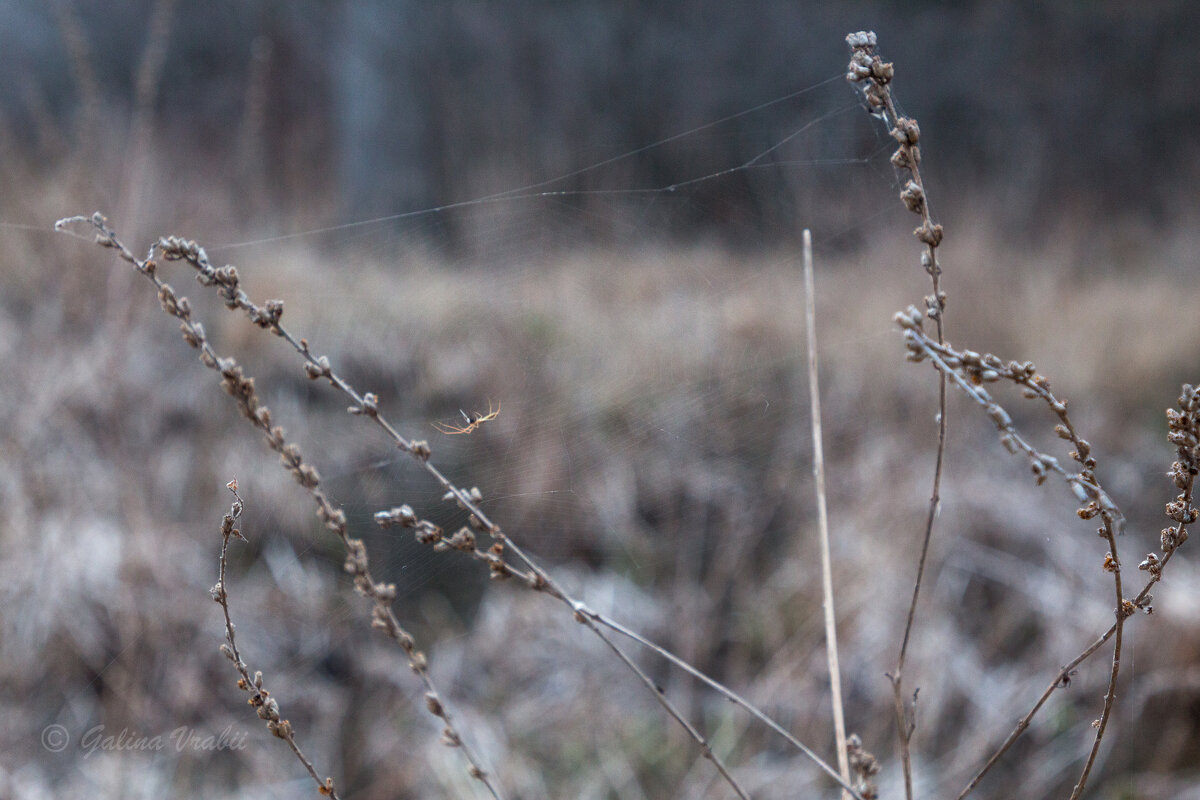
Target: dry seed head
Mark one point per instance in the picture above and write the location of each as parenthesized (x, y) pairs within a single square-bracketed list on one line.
[(463, 540), (380, 620), (910, 317), (913, 197), (907, 132), (402, 515), (861, 39), (1179, 510), (268, 315), (929, 234), (1171, 538), (269, 709), (999, 416), (428, 533)]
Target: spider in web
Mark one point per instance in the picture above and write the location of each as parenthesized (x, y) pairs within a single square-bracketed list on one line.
[(473, 421)]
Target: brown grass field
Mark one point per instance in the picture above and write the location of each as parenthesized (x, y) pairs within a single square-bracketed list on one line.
[(652, 453)]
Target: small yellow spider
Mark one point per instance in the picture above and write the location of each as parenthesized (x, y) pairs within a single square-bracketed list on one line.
[(473, 420)]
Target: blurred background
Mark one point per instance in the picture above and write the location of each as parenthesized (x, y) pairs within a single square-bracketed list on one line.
[(587, 213)]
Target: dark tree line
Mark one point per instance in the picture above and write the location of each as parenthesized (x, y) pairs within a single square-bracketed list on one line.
[(380, 106)]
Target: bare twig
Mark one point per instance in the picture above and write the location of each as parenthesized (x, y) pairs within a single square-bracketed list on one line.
[(970, 371), (725, 691), (265, 706), (1184, 432), (814, 399), (243, 391), (267, 317), (428, 533), (873, 76)]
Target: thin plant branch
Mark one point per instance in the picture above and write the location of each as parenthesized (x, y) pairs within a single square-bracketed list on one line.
[(725, 691), (970, 371), (428, 533), (268, 317), (814, 399), (1183, 431), (244, 393), (266, 706), (873, 77)]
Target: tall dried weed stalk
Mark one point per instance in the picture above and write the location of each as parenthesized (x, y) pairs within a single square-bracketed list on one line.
[(484, 541), (972, 372)]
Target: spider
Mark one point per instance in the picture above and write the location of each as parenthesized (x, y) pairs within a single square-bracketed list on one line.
[(473, 420)]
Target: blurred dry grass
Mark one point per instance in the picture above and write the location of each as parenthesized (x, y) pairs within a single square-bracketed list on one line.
[(652, 449)]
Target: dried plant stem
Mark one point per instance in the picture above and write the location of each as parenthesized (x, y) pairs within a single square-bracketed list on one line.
[(814, 399), (267, 317), (1184, 432), (970, 370), (265, 706), (244, 393), (428, 533), (705, 747), (874, 77), (726, 692), (1111, 695), (1061, 681)]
